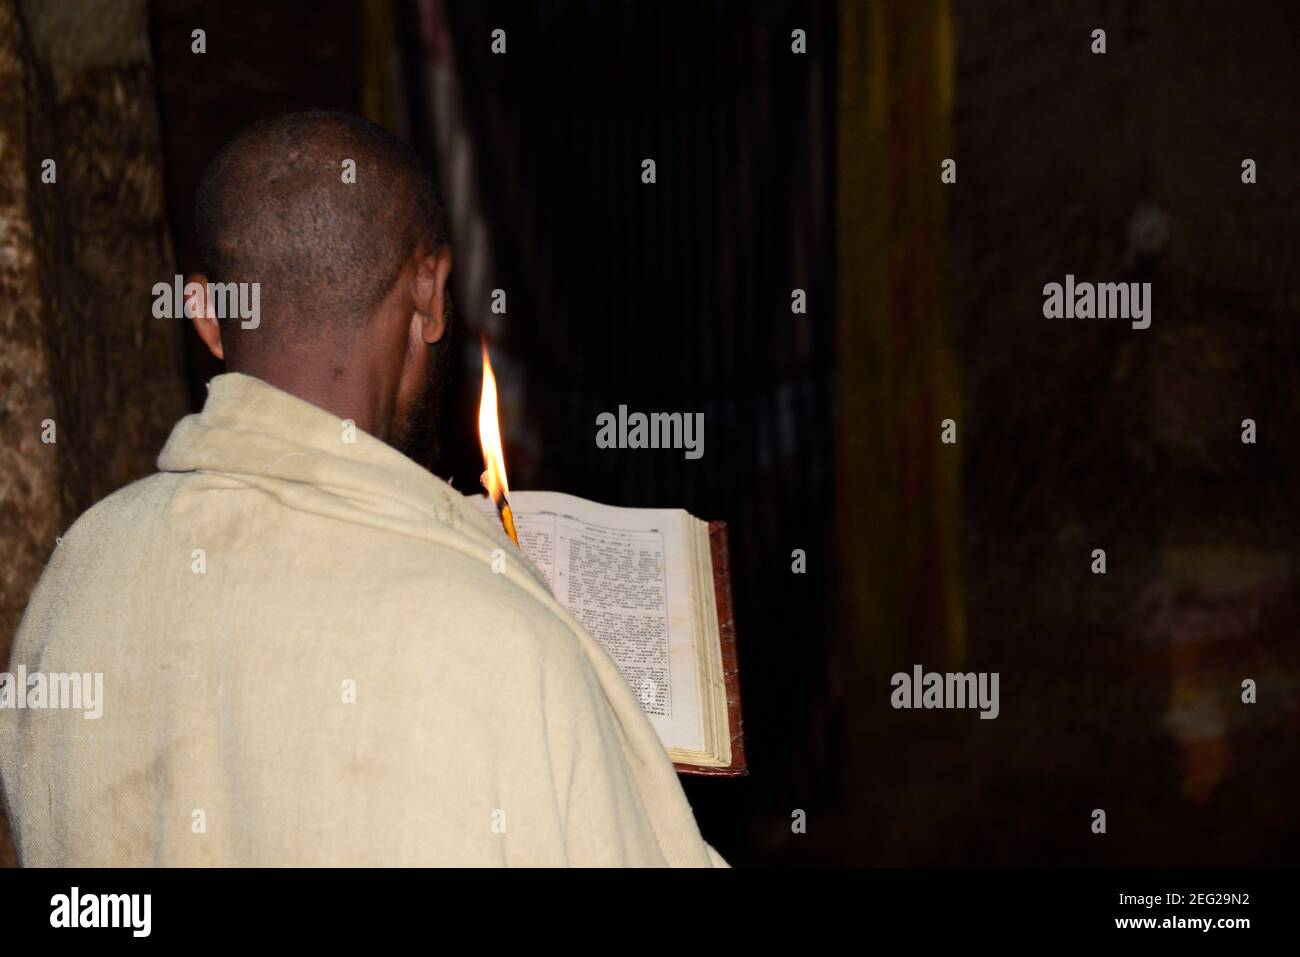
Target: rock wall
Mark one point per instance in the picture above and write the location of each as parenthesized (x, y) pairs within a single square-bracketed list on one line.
[(82, 360)]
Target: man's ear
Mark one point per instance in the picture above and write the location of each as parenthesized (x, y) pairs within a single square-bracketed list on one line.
[(430, 295), (196, 299)]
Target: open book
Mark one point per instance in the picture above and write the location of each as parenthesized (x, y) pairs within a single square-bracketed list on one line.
[(646, 584)]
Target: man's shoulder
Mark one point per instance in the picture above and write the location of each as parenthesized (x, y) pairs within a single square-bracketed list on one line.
[(123, 508), (460, 592)]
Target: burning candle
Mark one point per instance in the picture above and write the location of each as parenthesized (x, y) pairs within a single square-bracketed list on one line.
[(494, 460)]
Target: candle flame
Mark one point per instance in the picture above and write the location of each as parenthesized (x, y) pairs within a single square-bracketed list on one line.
[(489, 436)]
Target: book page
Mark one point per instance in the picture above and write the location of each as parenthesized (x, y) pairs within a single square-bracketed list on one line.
[(623, 574)]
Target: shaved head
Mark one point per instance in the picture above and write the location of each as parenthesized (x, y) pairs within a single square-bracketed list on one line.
[(339, 225), (281, 206)]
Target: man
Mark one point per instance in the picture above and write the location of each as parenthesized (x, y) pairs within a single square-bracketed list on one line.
[(308, 657)]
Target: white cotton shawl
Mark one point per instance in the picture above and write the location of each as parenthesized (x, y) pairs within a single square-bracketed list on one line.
[(308, 659)]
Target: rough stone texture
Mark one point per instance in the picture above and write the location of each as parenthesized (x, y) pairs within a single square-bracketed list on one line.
[(78, 260), (31, 513), (1123, 691)]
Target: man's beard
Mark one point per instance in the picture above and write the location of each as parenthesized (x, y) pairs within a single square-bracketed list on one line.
[(416, 436)]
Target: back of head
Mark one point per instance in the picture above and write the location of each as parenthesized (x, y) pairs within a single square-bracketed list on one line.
[(321, 209)]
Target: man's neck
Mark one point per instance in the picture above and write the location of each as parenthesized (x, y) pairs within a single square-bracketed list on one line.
[(332, 386)]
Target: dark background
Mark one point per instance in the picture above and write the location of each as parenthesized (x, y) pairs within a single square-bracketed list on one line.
[(820, 172)]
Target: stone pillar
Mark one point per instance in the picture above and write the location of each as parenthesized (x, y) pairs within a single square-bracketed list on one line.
[(82, 360)]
